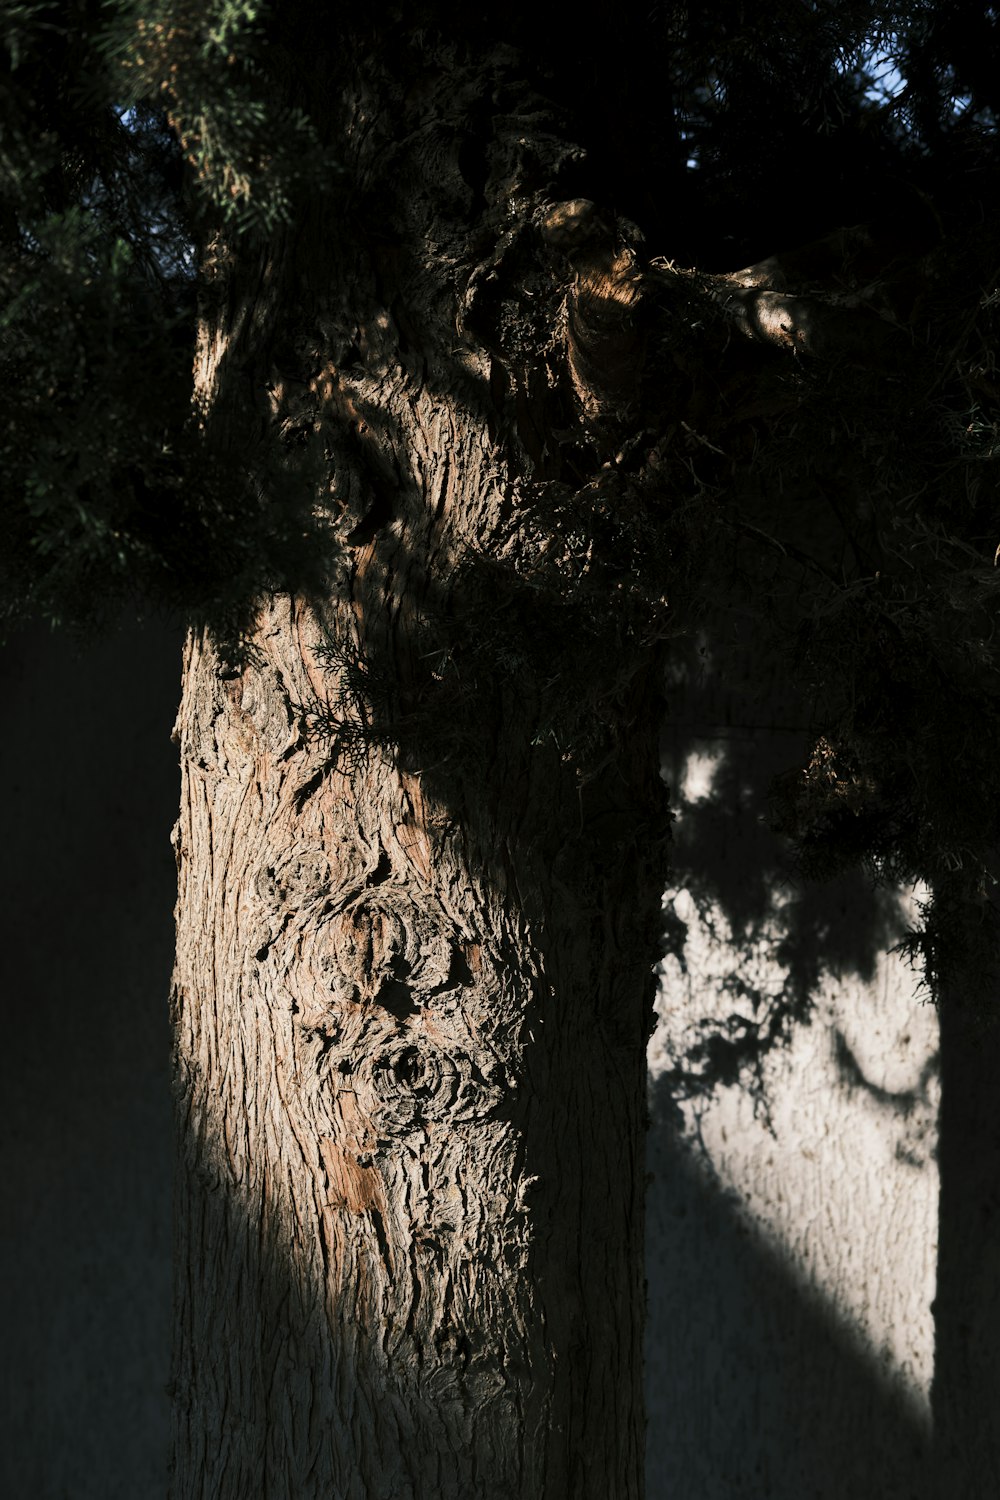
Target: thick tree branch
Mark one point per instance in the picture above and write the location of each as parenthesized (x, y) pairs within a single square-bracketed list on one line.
[(805, 325), (832, 299), (835, 297)]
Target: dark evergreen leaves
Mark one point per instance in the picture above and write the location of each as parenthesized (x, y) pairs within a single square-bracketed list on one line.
[(108, 491)]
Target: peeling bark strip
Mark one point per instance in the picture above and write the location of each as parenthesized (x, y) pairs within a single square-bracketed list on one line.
[(415, 928), (604, 329)]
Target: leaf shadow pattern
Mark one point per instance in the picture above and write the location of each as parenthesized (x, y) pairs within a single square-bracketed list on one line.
[(729, 736), (774, 1393)]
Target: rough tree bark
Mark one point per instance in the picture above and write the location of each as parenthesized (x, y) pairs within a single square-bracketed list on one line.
[(416, 923)]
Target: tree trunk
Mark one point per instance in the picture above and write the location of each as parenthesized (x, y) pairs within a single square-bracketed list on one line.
[(420, 873)]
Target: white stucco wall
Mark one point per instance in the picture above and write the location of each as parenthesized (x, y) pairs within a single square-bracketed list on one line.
[(791, 1246)]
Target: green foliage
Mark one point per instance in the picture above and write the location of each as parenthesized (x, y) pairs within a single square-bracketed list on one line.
[(955, 948), (109, 491), (75, 446), (250, 154)]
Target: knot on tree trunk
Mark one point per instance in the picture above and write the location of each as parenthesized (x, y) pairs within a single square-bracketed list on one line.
[(413, 1081)]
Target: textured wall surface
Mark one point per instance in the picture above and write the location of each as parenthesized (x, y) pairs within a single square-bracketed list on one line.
[(90, 793), (792, 1224)]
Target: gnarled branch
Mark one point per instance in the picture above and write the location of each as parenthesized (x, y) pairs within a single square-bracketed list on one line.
[(605, 332)]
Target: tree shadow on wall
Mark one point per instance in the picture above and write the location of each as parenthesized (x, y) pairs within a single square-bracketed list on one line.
[(731, 1413), (755, 1389), (732, 731)]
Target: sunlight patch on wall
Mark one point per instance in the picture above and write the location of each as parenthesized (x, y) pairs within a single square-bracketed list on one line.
[(825, 1138), (698, 776)]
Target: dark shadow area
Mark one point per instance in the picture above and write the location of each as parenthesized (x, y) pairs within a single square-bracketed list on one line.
[(966, 1389), (755, 1389), (90, 793)]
